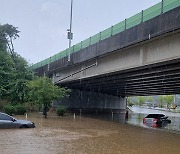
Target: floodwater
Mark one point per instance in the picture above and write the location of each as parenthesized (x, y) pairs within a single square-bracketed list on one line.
[(136, 118), (83, 135)]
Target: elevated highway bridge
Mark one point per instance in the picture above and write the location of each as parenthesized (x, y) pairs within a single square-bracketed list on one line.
[(138, 56)]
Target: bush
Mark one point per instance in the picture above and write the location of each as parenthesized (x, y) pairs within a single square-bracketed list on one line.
[(2, 103), (31, 107), (9, 109), (130, 104), (17, 109), (61, 110), (20, 109)]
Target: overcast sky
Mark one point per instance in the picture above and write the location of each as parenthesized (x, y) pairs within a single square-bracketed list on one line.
[(43, 23)]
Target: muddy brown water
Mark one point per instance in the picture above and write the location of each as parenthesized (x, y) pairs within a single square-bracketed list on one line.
[(66, 135)]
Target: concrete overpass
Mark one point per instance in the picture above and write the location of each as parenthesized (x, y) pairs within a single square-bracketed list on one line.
[(143, 59)]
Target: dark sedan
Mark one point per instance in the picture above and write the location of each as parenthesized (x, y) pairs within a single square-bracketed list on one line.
[(156, 120), (7, 121)]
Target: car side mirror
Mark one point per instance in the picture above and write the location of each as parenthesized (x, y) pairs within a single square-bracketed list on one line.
[(13, 119)]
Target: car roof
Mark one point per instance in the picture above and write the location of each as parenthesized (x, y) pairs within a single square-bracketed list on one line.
[(6, 114), (154, 115), (2, 113)]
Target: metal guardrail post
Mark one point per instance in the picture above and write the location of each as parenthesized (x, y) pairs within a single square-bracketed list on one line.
[(142, 15), (81, 45), (125, 26), (48, 67), (162, 6), (111, 30), (73, 49), (89, 41)]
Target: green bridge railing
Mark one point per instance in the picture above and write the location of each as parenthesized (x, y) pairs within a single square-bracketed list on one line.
[(144, 15)]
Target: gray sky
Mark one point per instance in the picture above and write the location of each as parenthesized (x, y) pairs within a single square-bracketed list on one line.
[(43, 23)]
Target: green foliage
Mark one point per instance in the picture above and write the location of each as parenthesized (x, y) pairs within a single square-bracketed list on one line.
[(61, 110), (140, 100), (2, 103), (18, 109), (13, 72), (6, 72), (169, 100), (43, 92), (149, 98), (18, 91), (129, 102), (9, 109), (18, 87), (31, 106), (16, 83), (8, 33), (161, 101)]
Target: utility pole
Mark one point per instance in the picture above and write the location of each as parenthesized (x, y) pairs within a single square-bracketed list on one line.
[(70, 34)]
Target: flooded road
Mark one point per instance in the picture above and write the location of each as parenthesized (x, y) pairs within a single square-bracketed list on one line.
[(83, 135), (136, 118)]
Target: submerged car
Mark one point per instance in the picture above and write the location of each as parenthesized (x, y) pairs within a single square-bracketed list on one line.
[(156, 120), (7, 121)]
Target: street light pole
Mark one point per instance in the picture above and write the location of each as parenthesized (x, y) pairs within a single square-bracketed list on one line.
[(70, 34)]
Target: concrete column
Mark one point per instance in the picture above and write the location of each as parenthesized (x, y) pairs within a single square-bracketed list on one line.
[(93, 101), (143, 56), (123, 103), (53, 78)]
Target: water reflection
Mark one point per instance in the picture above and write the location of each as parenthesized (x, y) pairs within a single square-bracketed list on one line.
[(135, 119), (116, 117), (83, 135)]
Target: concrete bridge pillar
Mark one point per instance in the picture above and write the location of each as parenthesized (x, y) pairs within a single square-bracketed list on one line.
[(93, 102)]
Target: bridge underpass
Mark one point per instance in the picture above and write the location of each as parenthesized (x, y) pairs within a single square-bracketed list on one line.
[(146, 73), (141, 60), (155, 79)]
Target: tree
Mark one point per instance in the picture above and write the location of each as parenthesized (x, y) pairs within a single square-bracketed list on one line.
[(6, 64), (150, 99), (43, 92), (169, 100), (13, 68), (6, 70), (129, 102), (8, 33), (161, 99), (18, 87), (141, 100)]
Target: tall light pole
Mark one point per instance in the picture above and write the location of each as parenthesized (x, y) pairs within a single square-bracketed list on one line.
[(70, 34)]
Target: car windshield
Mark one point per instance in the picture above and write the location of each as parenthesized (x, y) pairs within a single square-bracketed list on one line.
[(155, 116), (5, 117)]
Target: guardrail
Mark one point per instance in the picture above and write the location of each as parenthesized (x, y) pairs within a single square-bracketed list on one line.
[(144, 15)]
